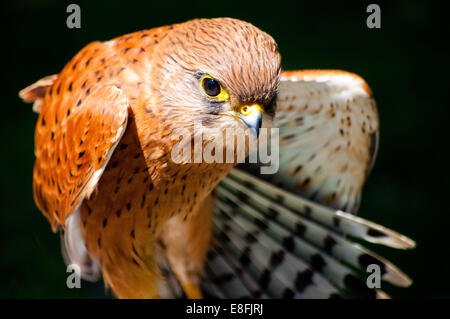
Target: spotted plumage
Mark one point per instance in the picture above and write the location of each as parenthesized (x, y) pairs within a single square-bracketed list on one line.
[(105, 176), (337, 121)]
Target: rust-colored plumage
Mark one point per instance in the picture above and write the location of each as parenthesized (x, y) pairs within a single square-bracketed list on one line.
[(103, 140), (105, 175)]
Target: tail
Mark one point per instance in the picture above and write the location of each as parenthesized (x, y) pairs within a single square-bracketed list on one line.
[(272, 243), (74, 250)]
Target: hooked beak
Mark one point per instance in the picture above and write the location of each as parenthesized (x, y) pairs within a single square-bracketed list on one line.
[(250, 115)]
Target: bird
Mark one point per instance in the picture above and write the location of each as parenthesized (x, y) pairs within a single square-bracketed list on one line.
[(152, 227)]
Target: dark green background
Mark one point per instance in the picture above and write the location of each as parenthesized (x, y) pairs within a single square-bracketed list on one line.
[(405, 63)]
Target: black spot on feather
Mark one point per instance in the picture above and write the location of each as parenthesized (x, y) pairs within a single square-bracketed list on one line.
[(303, 280)]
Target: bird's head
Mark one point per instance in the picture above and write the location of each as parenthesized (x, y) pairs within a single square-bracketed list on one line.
[(222, 73)]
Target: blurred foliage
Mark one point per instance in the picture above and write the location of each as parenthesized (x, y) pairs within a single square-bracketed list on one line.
[(405, 63)]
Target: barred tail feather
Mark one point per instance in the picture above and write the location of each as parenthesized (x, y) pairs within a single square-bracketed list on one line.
[(279, 273), (227, 278), (270, 242), (335, 219), (169, 287)]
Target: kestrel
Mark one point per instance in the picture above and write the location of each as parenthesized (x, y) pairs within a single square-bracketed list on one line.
[(105, 178)]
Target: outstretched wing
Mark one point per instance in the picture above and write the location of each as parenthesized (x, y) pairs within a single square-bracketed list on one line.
[(75, 137), (328, 124), (271, 241)]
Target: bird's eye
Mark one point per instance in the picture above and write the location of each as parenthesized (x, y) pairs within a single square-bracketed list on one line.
[(212, 89), (210, 86)]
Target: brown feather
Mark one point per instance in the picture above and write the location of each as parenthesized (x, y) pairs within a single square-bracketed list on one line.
[(153, 77)]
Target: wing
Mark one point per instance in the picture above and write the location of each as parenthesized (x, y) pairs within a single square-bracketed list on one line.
[(273, 242), (270, 242), (75, 137), (328, 124), (36, 92)]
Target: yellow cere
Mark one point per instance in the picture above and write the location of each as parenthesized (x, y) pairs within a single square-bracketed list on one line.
[(248, 109)]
